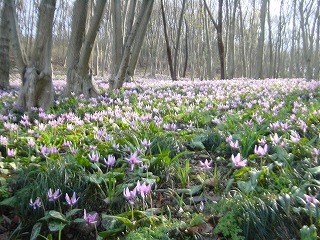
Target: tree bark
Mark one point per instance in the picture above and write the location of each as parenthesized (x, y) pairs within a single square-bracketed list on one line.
[(37, 87), (138, 26), (259, 56), (79, 77), (4, 45), (230, 65), (169, 55), (177, 47), (218, 26), (139, 39)]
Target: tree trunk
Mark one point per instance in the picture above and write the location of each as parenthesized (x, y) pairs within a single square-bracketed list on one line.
[(259, 56), (177, 47), (139, 39), (117, 44), (186, 52), (135, 33), (79, 77), (218, 26), (230, 65), (37, 88), (169, 55), (242, 44), (293, 38), (4, 45)]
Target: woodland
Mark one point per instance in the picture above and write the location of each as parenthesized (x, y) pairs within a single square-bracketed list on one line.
[(159, 119)]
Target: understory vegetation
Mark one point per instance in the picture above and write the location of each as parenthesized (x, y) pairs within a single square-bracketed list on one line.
[(157, 159)]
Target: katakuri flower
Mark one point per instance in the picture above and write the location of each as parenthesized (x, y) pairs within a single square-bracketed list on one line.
[(73, 200), (36, 204), (143, 189), (110, 161), (311, 199), (94, 156), (53, 196), (89, 218), (237, 161), (261, 151), (133, 159), (206, 165), (130, 195)]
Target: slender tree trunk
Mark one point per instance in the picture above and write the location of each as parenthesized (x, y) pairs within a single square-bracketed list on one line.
[(135, 33), (293, 39), (270, 72), (169, 55), (117, 44), (4, 45), (79, 78), (186, 52), (242, 44), (218, 26), (37, 87), (177, 47), (141, 33), (259, 57), (230, 65)]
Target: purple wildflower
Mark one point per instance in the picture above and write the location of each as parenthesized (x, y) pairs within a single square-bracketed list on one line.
[(89, 218), (111, 161), (11, 152), (206, 165), (130, 195), (237, 161), (133, 159), (261, 151), (143, 189), (94, 156), (36, 204), (311, 199), (53, 196), (73, 200), (234, 145)]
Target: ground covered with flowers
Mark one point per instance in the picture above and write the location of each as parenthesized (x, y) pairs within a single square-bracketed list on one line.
[(164, 160)]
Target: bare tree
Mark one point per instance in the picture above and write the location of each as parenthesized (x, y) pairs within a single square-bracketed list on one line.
[(37, 87), (79, 76), (218, 27), (259, 56), (137, 33), (4, 45)]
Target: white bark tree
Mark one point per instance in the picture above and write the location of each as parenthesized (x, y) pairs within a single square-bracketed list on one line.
[(4, 45), (79, 75), (37, 87)]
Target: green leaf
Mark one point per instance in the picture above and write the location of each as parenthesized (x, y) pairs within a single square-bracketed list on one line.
[(111, 232), (129, 224), (72, 212), (314, 170), (55, 226), (35, 231), (57, 215), (308, 233)]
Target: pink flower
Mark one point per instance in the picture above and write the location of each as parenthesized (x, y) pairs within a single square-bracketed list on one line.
[(89, 218), (143, 189), (73, 200), (110, 161), (94, 156), (133, 159), (261, 151), (130, 195), (294, 137), (206, 165), (36, 204), (54, 196), (11, 152), (311, 199), (234, 145), (237, 161)]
